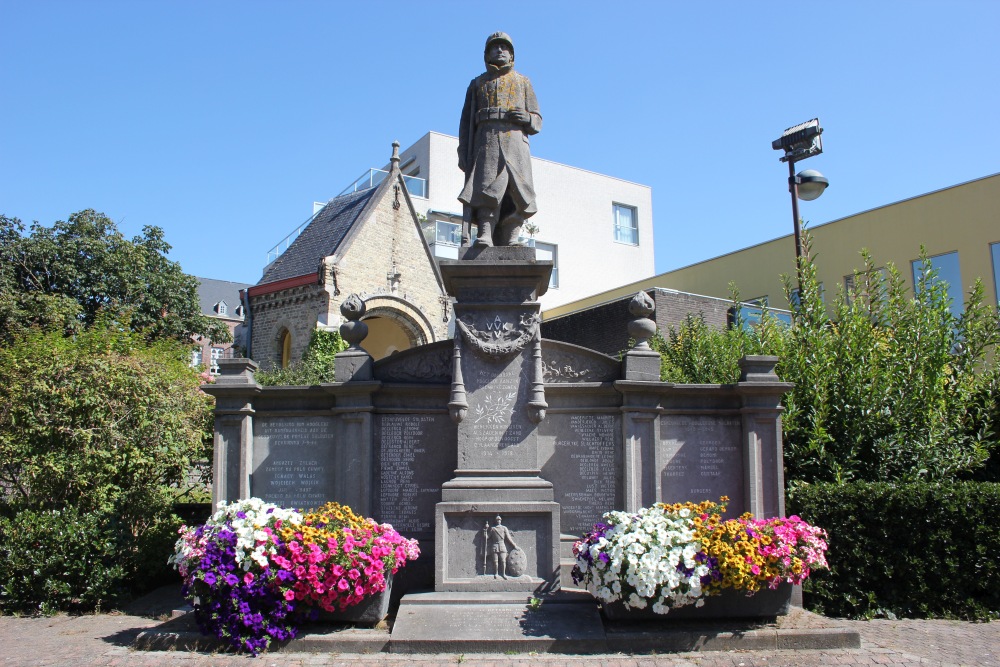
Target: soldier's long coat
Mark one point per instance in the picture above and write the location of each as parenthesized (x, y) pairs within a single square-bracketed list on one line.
[(494, 153)]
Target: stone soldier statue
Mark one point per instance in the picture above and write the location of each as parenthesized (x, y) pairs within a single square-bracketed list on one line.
[(497, 537), (500, 112)]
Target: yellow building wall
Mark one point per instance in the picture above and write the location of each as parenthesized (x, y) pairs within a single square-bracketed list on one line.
[(964, 218)]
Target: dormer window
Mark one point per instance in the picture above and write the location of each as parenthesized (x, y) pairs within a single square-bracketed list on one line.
[(221, 308), (239, 311)]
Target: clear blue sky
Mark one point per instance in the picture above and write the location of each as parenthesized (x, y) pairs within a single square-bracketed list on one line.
[(222, 122)]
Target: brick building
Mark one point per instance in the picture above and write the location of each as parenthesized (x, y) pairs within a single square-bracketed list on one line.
[(367, 242), (219, 299)]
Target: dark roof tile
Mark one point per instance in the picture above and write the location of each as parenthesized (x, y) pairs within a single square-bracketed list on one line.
[(320, 238)]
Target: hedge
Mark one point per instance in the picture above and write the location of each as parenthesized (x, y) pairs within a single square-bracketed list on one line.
[(917, 550)]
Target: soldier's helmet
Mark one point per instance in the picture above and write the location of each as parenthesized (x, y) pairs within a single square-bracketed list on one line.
[(499, 37)]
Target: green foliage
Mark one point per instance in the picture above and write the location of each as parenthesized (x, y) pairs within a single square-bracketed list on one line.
[(911, 550), (101, 421), (891, 388), (695, 353), (94, 430), (315, 367), (66, 559), (68, 275)]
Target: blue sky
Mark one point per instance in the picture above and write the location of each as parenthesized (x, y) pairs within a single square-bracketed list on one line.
[(221, 122)]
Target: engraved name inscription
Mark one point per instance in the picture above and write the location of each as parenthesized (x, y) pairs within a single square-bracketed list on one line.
[(588, 483), (405, 501), (294, 471), (702, 458)]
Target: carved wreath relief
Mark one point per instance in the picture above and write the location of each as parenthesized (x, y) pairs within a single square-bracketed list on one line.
[(498, 339)]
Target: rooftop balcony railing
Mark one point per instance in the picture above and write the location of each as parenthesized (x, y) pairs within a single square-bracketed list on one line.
[(371, 178)]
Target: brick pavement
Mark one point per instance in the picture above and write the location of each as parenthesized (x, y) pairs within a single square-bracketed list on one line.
[(106, 639)]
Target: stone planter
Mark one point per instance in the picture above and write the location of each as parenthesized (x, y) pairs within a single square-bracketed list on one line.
[(729, 604), (369, 611)]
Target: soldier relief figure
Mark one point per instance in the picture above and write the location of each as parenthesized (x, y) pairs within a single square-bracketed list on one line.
[(497, 537), (500, 112)]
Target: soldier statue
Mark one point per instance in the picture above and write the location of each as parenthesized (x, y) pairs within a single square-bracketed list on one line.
[(500, 112)]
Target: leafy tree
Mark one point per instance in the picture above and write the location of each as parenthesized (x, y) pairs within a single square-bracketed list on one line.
[(64, 276), (95, 429), (102, 420)]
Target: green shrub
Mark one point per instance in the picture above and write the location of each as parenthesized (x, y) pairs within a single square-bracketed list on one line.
[(65, 559), (915, 550), (893, 387), (315, 367), (95, 429)]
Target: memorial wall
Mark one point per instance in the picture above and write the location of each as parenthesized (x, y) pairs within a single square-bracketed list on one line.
[(388, 447)]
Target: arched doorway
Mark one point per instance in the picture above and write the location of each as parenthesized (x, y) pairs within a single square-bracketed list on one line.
[(394, 325)]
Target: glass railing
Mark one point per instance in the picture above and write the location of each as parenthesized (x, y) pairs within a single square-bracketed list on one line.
[(283, 244), (371, 178)]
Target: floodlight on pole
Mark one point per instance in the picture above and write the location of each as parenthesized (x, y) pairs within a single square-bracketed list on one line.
[(800, 142)]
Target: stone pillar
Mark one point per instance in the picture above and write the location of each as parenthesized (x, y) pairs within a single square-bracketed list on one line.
[(232, 459), (760, 391), (354, 388), (640, 409), (497, 399)]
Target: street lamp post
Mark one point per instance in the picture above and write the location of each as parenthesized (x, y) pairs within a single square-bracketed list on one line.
[(801, 142)]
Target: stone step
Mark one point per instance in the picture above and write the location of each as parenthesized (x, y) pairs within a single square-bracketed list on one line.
[(563, 622)]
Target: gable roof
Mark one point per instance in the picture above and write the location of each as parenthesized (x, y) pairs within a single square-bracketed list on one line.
[(320, 238)]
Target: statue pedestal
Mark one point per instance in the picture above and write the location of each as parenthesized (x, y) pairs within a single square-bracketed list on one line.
[(497, 400)]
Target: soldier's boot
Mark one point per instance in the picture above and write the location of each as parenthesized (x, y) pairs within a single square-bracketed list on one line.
[(512, 230), (486, 218)]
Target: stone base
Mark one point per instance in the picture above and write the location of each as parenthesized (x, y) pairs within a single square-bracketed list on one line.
[(505, 623), (497, 623)]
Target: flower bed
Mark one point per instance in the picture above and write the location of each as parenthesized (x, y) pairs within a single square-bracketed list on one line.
[(670, 556), (255, 571)]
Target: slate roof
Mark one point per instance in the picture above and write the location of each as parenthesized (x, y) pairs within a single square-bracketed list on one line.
[(320, 238), (211, 292)]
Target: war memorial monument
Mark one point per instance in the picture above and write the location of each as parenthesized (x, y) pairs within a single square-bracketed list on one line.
[(498, 449)]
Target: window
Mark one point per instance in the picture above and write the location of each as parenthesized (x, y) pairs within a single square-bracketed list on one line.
[(221, 308), (626, 224), (239, 311), (446, 238), (748, 316), (549, 251), (948, 272), (854, 285), (216, 355), (995, 252), (196, 358), (794, 300), (447, 232)]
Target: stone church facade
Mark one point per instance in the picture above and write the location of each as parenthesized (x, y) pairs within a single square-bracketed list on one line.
[(366, 242)]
